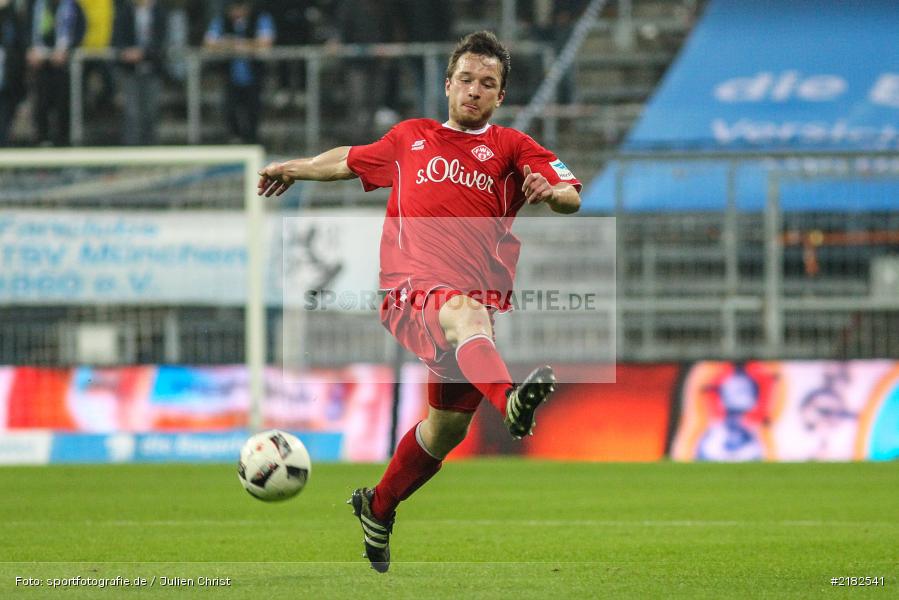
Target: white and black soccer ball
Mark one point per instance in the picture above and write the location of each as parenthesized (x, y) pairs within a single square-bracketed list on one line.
[(274, 465)]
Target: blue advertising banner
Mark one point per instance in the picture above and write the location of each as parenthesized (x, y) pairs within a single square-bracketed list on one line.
[(768, 75), (174, 447), (793, 73), (191, 257)]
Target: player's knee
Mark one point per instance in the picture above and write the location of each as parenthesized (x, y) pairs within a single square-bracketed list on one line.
[(457, 431), (444, 434), (451, 435), (462, 317)]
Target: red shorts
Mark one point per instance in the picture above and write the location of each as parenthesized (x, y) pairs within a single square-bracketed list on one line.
[(457, 396), (412, 317)]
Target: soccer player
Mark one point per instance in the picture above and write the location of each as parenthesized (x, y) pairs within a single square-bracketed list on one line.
[(447, 261)]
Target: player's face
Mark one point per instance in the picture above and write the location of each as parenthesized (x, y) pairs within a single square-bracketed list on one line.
[(238, 10), (474, 90)]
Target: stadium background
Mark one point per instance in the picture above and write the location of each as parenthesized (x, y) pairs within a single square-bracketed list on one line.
[(753, 188)]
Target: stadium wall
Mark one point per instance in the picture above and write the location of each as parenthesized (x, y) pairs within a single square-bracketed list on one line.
[(709, 410)]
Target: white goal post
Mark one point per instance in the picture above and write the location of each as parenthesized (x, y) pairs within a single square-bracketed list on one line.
[(119, 176)]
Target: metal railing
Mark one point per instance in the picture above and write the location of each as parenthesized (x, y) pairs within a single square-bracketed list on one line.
[(753, 277), (746, 276), (197, 61)]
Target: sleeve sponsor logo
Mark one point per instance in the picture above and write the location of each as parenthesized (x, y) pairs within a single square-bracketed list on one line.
[(561, 170)]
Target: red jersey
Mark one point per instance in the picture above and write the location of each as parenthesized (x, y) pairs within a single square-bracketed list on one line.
[(454, 197)]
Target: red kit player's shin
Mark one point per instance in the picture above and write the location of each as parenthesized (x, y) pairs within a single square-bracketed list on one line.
[(482, 365), (409, 469)]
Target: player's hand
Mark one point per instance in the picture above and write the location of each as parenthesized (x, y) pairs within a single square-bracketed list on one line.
[(36, 56), (536, 188), (59, 57), (273, 180), (132, 55)]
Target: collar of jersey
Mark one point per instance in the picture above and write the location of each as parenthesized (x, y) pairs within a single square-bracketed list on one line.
[(471, 131)]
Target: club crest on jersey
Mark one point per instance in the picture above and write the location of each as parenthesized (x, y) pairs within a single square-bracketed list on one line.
[(482, 153), (418, 145)]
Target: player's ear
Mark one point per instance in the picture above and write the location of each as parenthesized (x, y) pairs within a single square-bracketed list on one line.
[(446, 86), (500, 97)]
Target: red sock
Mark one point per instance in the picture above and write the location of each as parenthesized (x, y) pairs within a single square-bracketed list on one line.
[(484, 368), (409, 469)]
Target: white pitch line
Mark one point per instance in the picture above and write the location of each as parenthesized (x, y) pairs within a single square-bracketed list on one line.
[(659, 523), (348, 563), (480, 522), (128, 523)]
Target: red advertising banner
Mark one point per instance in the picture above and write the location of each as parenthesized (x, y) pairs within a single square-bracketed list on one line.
[(623, 421), (38, 398), (757, 410)]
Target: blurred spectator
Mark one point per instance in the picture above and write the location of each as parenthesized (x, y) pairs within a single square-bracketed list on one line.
[(367, 22), (57, 26), (293, 20), (322, 16), (99, 84), (177, 41), (243, 29), (564, 16), (12, 66), (139, 36), (194, 16), (98, 17), (425, 21), (294, 29)]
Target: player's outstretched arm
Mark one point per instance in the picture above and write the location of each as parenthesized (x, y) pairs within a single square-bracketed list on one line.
[(565, 199), (277, 177), (561, 198)]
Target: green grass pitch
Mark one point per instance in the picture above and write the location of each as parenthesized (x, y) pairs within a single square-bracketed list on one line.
[(480, 529)]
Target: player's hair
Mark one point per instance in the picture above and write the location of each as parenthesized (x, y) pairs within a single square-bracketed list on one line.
[(482, 43)]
